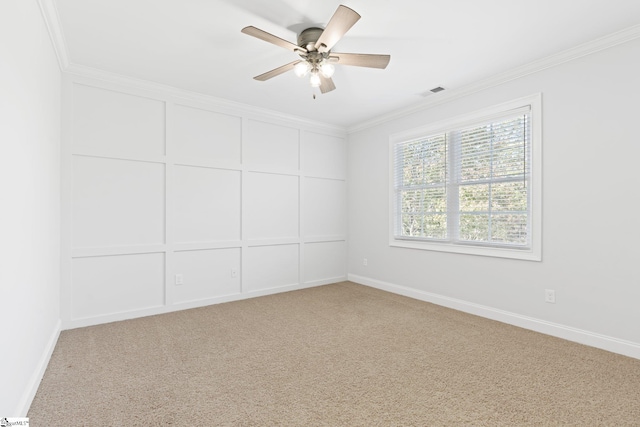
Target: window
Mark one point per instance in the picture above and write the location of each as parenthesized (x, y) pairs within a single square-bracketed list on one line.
[(470, 184)]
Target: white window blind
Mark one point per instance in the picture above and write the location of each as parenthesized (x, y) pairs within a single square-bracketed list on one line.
[(468, 184)]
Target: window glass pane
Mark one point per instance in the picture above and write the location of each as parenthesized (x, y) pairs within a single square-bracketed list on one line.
[(424, 161), (508, 161), (435, 160), (474, 227), (509, 196), (509, 228), (424, 213), (493, 150), (475, 154), (412, 225), (474, 198), (435, 199), (509, 147), (435, 226), (411, 200), (412, 166)]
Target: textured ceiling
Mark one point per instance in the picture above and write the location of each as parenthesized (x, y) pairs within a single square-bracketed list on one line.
[(196, 45)]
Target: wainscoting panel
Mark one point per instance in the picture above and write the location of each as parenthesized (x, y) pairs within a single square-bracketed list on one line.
[(117, 202), (206, 204), (324, 260), (325, 207), (207, 274), (324, 156), (109, 123), (271, 147), (271, 206), (208, 135), (271, 267), (117, 284)]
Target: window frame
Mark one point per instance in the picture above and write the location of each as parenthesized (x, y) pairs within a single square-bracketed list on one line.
[(534, 251)]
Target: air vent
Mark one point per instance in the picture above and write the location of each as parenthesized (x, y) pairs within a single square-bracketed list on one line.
[(437, 89)]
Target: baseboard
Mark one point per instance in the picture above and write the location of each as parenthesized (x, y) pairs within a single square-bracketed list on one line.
[(152, 311), (614, 345), (34, 382)]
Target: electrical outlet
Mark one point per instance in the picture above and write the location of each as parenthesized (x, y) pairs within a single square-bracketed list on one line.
[(234, 273), (550, 296), (179, 280), (365, 262)]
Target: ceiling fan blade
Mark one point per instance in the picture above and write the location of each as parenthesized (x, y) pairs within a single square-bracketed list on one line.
[(276, 71), (360, 59), (326, 84), (268, 37), (338, 25)]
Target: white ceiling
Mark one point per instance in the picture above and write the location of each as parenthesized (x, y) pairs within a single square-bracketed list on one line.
[(196, 45)]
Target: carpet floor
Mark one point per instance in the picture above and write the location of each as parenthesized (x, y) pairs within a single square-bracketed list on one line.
[(335, 355)]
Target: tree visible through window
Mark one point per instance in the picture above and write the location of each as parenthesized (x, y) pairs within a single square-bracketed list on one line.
[(467, 184), (424, 193)]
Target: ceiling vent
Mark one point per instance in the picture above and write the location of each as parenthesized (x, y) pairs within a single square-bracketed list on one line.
[(437, 89)]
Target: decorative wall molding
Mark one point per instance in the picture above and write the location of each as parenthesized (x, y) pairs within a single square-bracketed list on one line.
[(614, 345), (515, 73), (163, 132)]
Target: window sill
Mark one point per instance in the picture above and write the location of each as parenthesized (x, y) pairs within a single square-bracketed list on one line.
[(532, 254)]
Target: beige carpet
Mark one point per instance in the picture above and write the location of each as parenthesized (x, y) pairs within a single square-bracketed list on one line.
[(337, 355)]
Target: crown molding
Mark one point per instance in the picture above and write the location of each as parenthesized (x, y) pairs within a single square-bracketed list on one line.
[(579, 51), (52, 21), (209, 100)]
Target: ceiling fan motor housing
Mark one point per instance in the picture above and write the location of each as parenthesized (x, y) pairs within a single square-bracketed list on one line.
[(308, 38)]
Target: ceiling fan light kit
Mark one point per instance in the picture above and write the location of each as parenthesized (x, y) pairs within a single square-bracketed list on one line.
[(314, 48), (302, 68)]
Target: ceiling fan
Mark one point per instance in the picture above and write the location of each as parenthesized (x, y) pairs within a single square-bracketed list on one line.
[(314, 48)]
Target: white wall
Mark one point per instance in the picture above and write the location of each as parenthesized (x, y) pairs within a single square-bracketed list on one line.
[(590, 210), (243, 204), (240, 203), (30, 206)]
